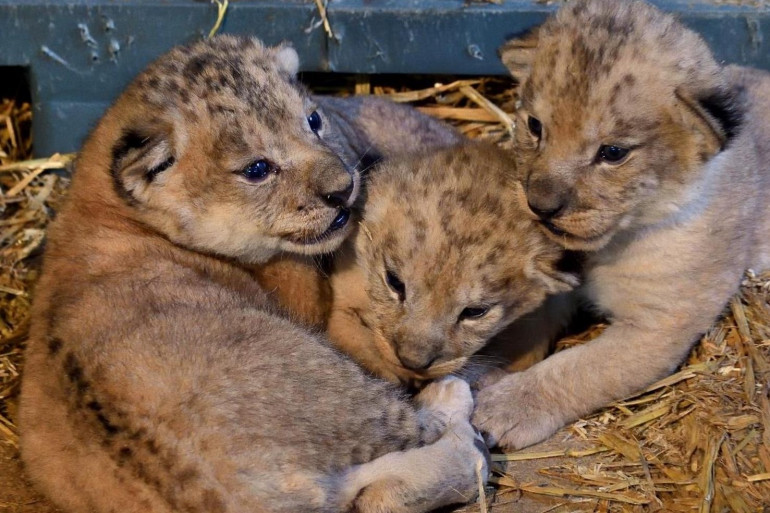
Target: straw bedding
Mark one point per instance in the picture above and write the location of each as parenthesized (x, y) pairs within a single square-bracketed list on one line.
[(696, 441)]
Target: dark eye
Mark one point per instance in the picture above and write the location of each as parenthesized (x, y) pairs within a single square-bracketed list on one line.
[(473, 312), (395, 284), (535, 126), (257, 170), (314, 120), (612, 154)]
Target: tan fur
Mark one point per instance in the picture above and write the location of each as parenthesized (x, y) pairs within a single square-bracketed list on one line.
[(447, 225), (369, 128), (299, 285), (362, 130), (668, 229), (158, 376)]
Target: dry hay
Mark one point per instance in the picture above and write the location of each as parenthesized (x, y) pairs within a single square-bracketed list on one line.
[(696, 441), (27, 189)]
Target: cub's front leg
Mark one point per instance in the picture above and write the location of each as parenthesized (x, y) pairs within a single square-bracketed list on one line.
[(447, 471), (527, 407)]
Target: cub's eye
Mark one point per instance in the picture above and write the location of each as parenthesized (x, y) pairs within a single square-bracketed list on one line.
[(473, 312), (395, 284), (314, 120), (612, 154), (535, 126), (257, 170), (152, 173)]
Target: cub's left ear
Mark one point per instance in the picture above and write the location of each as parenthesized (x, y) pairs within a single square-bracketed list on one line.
[(554, 280), (287, 58), (717, 111), (140, 155), (518, 54)]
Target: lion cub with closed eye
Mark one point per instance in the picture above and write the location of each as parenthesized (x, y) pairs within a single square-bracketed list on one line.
[(638, 148), (443, 259), (158, 376)]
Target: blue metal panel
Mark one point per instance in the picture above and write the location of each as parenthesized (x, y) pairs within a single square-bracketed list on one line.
[(81, 53)]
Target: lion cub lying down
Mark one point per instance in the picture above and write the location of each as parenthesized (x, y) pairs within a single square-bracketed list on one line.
[(158, 377), (443, 259), (638, 148)]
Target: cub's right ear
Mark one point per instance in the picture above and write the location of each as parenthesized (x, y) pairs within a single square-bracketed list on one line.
[(519, 53), (718, 112), (138, 158), (287, 58)]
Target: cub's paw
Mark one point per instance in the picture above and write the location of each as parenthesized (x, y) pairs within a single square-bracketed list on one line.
[(449, 398), (515, 412), (464, 451)]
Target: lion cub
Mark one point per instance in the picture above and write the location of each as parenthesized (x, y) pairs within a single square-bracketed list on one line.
[(361, 130), (443, 259), (638, 148), (158, 376)]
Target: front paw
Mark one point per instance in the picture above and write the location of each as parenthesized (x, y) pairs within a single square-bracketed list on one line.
[(515, 412), (449, 398)]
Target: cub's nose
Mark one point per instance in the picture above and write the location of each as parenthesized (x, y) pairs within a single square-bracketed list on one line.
[(416, 361), (340, 198), (544, 199), (544, 211)]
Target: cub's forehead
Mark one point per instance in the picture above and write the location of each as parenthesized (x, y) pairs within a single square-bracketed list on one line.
[(571, 65), (227, 75), (591, 45), (459, 201)]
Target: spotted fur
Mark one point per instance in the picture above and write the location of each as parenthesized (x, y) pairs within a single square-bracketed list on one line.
[(159, 376), (363, 130), (448, 226), (667, 230)]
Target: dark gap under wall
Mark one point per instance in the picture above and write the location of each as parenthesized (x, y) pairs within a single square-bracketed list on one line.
[(14, 83), (15, 100)]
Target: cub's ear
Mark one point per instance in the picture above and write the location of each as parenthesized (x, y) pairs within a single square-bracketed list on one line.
[(554, 280), (138, 158), (717, 114), (287, 58), (519, 53)]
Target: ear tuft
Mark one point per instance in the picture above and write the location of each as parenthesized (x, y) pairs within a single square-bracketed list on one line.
[(718, 110), (138, 157), (287, 58), (724, 107), (519, 53)]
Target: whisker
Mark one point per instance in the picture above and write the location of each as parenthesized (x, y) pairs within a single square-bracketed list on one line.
[(373, 162), (361, 158), (368, 168)]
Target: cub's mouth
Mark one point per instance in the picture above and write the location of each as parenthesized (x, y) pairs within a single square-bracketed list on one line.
[(339, 222), (571, 240), (548, 225), (418, 379), (335, 229)]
